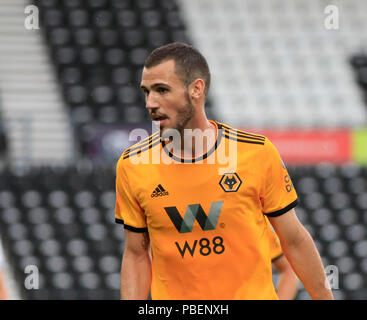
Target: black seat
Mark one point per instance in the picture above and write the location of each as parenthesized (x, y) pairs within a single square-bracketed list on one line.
[(50, 248), (330, 232), (90, 55), (157, 38), (115, 56), (65, 55), (71, 75), (82, 264), (145, 4), (90, 280), (127, 18), (121, 4), (56, 264), (53, 18), (132, 38), (138, 56), (173, 20), (102, 95), (63, 280), (84, 36), (97, 76), (108, 37), (108, 114), (121, 76), (356, 232), (337, 249), (127, 95), (89, 216), (78, 18), (46, 3), (151, 18), (76, 94), (97, 4), (60, 36), (102, 19), (72, 3), (84, 199)]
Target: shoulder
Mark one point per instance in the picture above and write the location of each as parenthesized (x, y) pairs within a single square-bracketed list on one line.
[(137, 154), (141, 147), (251, 144), (241, 136)]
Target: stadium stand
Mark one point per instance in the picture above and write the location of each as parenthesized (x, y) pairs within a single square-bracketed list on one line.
[(65, 226), (98, 48), (62, 221), (278, 60), (37, 124)]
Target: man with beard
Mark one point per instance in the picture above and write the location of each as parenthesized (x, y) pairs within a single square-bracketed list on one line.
[(195, 229)]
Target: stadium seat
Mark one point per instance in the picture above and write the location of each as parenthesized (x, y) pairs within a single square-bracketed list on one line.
[(67, 228), (84, 37), (99, 48)]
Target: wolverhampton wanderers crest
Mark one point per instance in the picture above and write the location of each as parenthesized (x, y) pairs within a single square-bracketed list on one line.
[(230, 182)]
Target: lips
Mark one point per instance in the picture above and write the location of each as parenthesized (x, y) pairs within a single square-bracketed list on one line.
[(158, 118)]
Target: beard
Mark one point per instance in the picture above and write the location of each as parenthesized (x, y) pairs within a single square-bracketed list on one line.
[(184, 115)]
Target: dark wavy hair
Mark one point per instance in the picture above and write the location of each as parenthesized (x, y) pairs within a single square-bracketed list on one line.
[(189, 62)]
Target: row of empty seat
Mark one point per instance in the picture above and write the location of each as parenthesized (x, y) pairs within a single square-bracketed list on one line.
[(279, 64), (98, 49), (62, 221)]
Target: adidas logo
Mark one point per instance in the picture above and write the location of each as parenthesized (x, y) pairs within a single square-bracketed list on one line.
[(159, 192)]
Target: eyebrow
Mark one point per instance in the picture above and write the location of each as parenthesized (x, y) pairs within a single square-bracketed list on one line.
[(159, 84)]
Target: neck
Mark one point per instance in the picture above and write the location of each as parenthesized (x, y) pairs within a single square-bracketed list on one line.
[(197, 138)]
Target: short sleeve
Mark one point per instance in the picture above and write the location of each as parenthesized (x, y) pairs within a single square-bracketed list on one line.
[(279, 194), (127, 211)]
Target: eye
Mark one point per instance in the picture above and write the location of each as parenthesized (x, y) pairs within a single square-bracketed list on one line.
[(162, 90)]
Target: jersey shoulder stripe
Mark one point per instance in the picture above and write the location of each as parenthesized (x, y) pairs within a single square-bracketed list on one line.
[(242, 133), (243, 141), (142, 143), (142, 146)]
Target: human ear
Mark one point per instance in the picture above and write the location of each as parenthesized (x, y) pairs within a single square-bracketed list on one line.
[(196, 89)]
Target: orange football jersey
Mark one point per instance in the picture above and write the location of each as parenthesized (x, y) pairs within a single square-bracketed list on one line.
[(206, 217)]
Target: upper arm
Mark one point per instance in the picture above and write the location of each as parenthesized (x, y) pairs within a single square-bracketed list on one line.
[(136, 243), (288, 228)]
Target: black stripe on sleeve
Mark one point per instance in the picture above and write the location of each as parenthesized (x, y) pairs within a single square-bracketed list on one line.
[(282, 211), (130, 228), (119, 221), (133, 229)]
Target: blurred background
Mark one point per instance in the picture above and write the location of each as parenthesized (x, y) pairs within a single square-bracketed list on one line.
[(294, 70)]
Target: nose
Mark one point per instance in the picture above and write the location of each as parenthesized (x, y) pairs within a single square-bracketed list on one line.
[(151, 102)]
